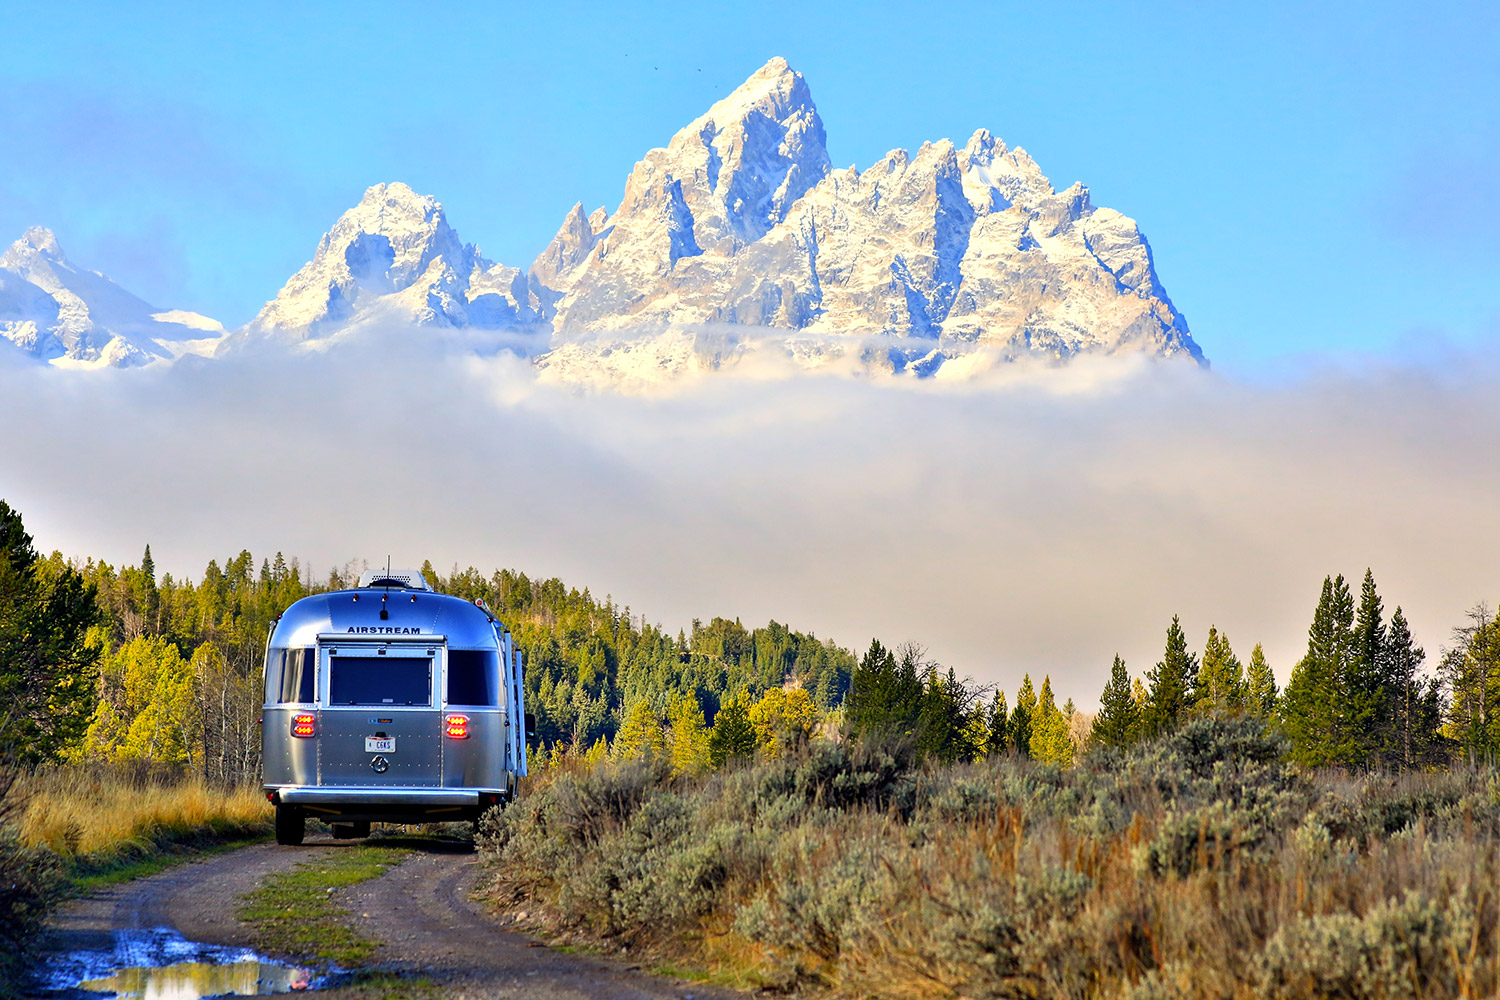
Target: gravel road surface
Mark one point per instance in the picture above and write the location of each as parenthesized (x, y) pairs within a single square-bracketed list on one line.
[(420, 910)]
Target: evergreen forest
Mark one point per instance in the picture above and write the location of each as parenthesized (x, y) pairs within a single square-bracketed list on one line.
[(106, 663)]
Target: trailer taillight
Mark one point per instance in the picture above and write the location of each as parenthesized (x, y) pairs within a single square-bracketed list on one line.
[(304, 725), (457, 727)]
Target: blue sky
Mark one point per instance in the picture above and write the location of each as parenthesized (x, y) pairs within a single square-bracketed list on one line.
[(1313, 181)]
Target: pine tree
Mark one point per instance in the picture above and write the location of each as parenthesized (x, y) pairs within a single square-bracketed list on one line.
[(885, 695), (47, 661), (1118, 720), (1221, 682), (596, 753), (1261, 696), (1317, 706), (1023, 718), (1471, 670), (997, 740), (733, 737), (1077, 730), (1050, 740), (1172, 684), (689, 735), (1415, 732), (640, 737), (943, 725), (1370, 697), (149, 598)]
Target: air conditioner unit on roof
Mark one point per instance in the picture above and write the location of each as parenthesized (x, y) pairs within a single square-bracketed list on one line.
[(405, 579)]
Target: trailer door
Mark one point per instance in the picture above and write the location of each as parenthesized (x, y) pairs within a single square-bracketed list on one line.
[(381, 720)]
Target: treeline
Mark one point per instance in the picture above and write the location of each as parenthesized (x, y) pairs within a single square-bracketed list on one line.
[(106, 664), (589, 664), (1358, 699)]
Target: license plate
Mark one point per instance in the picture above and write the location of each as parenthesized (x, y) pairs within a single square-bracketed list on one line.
[(380, 744)]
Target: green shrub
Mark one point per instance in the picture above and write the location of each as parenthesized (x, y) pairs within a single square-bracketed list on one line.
[(1413, 948)]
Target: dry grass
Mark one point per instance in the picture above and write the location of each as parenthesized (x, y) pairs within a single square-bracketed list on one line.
[(94, 817)]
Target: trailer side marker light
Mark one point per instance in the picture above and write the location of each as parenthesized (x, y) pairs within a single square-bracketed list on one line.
[(304, 725), (457, 727)]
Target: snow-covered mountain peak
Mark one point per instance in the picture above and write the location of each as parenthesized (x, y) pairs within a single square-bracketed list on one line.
[(741, 164), (995, 177), (720, 185), (944, 258), (36, 242), (76, 318), (775, 90), (393, 256), (396, 211)]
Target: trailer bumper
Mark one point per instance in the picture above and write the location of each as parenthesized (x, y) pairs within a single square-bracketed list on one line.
[(326, 795), (353, 804)]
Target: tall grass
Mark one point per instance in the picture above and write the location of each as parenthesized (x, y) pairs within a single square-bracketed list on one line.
[(95, 819), (65, 826), (1201, 866)]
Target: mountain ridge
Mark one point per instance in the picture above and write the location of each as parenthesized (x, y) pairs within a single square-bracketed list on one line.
[(71, 317), (735, 239)]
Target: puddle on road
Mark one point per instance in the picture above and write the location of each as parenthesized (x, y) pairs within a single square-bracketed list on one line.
[(160, 964)]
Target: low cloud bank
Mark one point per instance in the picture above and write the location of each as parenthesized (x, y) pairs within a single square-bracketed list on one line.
[(1039, 522)]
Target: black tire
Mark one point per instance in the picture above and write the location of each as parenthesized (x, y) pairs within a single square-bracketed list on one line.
[(291, 826), (351, 831)]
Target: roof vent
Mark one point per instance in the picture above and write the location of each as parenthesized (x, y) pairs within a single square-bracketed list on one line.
[(402, 579)]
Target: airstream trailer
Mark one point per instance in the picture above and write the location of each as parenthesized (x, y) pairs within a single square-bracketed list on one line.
[(389, 703)]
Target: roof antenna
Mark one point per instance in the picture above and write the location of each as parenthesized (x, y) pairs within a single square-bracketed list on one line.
[(384, 614)]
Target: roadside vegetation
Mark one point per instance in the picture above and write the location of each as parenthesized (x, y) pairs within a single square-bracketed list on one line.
[(103, 822), (1203, 863)]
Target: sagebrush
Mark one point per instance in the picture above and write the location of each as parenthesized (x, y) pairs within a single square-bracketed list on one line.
[(1200, 865)]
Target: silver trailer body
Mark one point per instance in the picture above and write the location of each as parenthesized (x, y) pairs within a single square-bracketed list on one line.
[(389, 703)]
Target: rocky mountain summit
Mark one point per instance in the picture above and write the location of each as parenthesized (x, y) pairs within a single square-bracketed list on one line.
[(57, 312), (939, 262), (393, 258), (737, 243)]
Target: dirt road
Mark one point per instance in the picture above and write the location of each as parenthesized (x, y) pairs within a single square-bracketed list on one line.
[(420, 910)]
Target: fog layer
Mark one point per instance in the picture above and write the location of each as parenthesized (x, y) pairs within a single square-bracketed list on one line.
[(1040, 522)]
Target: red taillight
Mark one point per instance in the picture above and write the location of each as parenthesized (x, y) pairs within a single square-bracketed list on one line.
[(457, 727), (304, 725)]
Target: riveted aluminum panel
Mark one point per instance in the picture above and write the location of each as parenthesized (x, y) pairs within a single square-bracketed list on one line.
[(416, 762), (479, 761), (285, 758), (356, 613)]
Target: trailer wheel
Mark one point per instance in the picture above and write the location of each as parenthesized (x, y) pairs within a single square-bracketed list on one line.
[(291, 825)]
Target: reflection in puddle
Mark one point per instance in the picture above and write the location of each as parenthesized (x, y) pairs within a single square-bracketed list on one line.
[(160, 964), (191, 980)]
